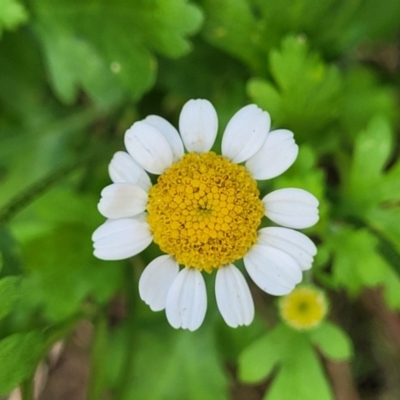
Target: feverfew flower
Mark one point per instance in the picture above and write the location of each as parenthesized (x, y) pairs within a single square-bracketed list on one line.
[(204, 212), (304, 308)]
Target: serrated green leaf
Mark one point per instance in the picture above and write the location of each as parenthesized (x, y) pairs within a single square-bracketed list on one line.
[(357, 263), (303, 79), (301, 375), (369, 189), (258, 360), (8, 294), (332, 341), (111, 43), (12, 14), (19, 355), (371, 152), (307, 90)]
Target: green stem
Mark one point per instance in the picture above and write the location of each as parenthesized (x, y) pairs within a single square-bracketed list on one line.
[(127, 369), (27, 389), (99, 347), (33, 192)]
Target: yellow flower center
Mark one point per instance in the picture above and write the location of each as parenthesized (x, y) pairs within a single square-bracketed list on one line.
[(205, 211), (304, 308)]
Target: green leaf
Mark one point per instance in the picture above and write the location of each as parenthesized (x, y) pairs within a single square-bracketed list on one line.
[(250, 29), (371, 152), (305, 98), (258, 360), (392, 289), (8, 294), (388, 189), (363, 95), (19, 355), (232, 342), (366, 23), (332, 341), (356, 263), (10, 257), (301, 375), (172, 365), (231, 25), (94, 77), (12, 14), (63, 272), (17, 51), (296, 363), (372, 194), (112, 43), (387, 223)]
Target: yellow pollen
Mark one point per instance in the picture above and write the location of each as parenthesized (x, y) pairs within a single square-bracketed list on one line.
[(205, 211), (304, 308)]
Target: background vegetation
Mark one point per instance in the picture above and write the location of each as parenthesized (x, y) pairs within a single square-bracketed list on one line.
[(75, 74)]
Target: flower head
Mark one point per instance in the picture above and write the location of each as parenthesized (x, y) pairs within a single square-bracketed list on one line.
[(304, 308), (204, 212)]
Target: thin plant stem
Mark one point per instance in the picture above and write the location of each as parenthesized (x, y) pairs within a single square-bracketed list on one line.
[(27, 389), (128, 366), (31, 193), (99, 347)]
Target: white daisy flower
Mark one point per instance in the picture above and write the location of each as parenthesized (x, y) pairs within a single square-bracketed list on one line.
[(204, 212)]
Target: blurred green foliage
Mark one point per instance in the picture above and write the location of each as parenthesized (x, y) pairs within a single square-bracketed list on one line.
[(298, 363), (74, 75)]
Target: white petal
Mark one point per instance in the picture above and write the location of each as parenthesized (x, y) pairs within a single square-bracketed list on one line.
[(198, 125), (149, 148), (276, 155), (187, 300), (293, 208), (233, 297), (245, 133), (124, 169), (272, 270), (295, 244), (156, 280), (122, 200), (118, 239), (169, 132)]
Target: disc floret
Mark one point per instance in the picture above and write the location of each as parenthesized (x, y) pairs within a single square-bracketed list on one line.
[(205, 211)]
